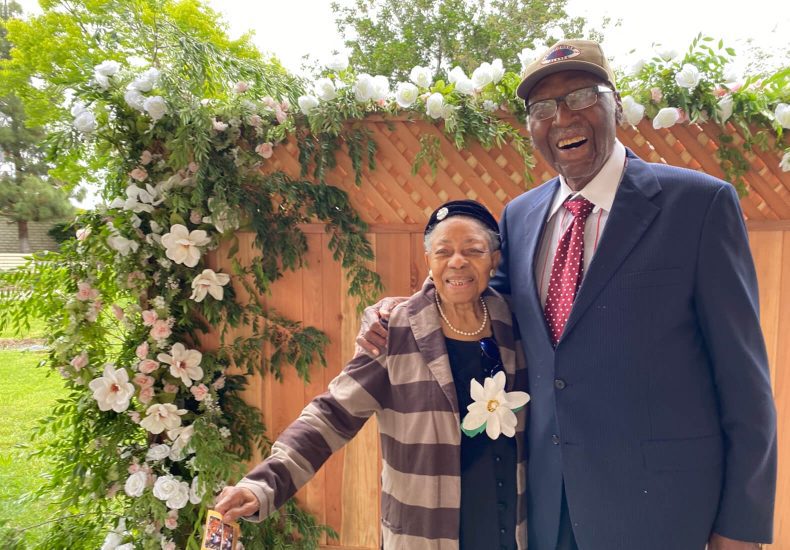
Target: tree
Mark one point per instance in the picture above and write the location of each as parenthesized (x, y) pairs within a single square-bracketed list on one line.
[(25, 192), (390, 37)]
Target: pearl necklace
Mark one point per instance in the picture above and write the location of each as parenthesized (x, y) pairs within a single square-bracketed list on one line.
[(463, 332)]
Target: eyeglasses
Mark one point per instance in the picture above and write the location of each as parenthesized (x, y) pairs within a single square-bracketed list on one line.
[(575, 100), (492, 361)]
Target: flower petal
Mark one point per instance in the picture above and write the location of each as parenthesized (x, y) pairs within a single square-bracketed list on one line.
[(516, 399), (476, 391), (475, 418), (493, 427)]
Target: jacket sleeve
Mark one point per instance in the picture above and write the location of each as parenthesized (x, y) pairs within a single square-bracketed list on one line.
[(500, 281), (325, 425), (727, 303)]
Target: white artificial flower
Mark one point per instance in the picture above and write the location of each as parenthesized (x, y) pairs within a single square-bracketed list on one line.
[(85, 122), (325, 89), (381, 87), (636, 66), (102, 81), (307, 103), (456, 74), (364, 88), (688, 77), (497, 70), (146, 81), (183, 246), (666, 118), (724, 108), (782, 114), (482, 76), (112, 390), (490, 106), (135, 99), (184, 363), (122, 245), (181, 437), (107, 68), (126, 546), (139, 199), (136, 483), (338, 62), (526, 56), (173, 492), (157, 452), (406, 94), (112, 541), (666, 53), (633, 112), (209, 282), (466, 87), (434, 105), (77, 108), (196, 497), (155, 106), (785, 163), (493, 406), (421, 76), (161, 417)]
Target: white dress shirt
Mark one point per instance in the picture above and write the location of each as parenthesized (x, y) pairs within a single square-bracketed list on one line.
[(600, 191)]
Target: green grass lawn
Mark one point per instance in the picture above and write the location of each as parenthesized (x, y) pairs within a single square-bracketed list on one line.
[(37, 330), (26, 395)]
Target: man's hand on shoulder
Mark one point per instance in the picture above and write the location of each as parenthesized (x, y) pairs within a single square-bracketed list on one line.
[(372, 337), (720, 542)]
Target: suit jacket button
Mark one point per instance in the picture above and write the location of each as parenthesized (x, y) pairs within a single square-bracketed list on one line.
[(555, 439), (559, 383)]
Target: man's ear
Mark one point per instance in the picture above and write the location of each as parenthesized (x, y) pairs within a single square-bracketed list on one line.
[(618, 108)]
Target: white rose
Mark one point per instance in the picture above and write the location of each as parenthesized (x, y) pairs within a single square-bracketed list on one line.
[(666, 53), (688, 77), (85, 122), (381, 87), (465, 86), (338, 62), (364, 88), (146, 81), (724, 108), (490, 106), (497, 70), (785, 163), (195, 496), (421, 76), (434, 106), (456, 74), (77, 108), (636, 66), (782, 114), (134, 99), (482, 76), (175, 493), (307, 103), (135, 484), (632, 111), (157, 452), (122, 245), (666, 118), (325, 89), (406, 94), (107, 68), (102, 81), (526, 56), (156, 107)]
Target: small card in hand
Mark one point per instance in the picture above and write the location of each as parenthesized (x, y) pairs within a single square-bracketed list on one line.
[(219, 535)]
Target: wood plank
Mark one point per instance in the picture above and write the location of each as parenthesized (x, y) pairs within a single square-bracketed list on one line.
[(766, 249)]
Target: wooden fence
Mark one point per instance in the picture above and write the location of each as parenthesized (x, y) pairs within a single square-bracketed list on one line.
[(345, 493)]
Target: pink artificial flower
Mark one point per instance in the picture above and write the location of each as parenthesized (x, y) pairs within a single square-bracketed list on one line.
[(135, 416), (269, 102), (280, 115), (146, 394), (143, 380), (656, 94), (142, 351), (146, 157), (85, 292), (133, 277), (93, 311), (149, 317), (241, 87), (147, 366), (171, 522), (170, 545), (195, 217), (82, 233), (160, 330), (113, 490), (139, 174), (264, 150), (134, 467), (80, 361), (171, 388), (218, 125), (256, 121), (199, 392), (118, 312), (219, 383), (193, 167)]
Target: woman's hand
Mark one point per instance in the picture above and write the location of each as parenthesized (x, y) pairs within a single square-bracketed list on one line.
[(236, 502)]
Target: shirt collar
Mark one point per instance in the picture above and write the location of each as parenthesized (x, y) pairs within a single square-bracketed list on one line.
[(602, 188)]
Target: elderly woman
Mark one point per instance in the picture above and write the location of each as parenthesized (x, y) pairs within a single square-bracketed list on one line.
[(448, 391)]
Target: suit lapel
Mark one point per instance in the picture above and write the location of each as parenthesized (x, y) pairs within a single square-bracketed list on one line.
[(631, 215)]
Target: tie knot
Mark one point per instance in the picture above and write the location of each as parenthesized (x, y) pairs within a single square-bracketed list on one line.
[(579, 207)]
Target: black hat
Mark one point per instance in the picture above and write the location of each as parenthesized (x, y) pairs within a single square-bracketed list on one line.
[(469, 208)]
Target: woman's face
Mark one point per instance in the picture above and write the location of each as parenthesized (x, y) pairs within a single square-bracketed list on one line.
[(460, 259)]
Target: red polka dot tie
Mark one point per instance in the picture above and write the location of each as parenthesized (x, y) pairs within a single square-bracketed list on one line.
[(567, 269)]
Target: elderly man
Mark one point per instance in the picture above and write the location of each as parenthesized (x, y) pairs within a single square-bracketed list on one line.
[(652, 423)]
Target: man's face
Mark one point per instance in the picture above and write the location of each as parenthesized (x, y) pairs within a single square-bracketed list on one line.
[(575, 143)]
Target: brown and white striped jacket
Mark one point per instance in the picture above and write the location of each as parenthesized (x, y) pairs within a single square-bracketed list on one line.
[(410, 388)]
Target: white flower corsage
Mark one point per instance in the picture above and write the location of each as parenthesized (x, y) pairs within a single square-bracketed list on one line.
[(493, 409)]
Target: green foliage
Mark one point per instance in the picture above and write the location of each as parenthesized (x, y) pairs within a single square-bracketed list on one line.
[(389, 37)]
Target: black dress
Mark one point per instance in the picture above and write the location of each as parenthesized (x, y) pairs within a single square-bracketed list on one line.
[(488, 467)]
